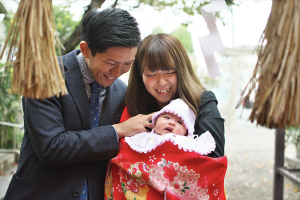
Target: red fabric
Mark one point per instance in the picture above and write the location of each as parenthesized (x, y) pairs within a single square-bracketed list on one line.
[(165, 173), (125, 115)]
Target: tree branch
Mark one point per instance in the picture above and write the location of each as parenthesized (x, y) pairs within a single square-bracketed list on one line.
[(115, 4), (74, 39)]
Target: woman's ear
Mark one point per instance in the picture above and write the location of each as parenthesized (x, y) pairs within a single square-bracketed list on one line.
[(84, 48)]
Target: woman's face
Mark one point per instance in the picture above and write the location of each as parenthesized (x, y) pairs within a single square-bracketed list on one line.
[(161, 84)]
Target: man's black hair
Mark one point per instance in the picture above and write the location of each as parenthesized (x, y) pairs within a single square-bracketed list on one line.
[(109, 28)]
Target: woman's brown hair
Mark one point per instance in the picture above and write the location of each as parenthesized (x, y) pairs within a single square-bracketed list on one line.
[(162, 52)]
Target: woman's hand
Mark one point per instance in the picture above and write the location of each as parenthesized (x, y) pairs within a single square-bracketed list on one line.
[(134, 125)]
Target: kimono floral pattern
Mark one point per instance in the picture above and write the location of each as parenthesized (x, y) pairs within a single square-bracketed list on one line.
[(132, 183), (108, 186), (178, 180), (176, 174)]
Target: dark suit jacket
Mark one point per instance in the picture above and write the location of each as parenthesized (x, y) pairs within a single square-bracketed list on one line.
[(59, 150)]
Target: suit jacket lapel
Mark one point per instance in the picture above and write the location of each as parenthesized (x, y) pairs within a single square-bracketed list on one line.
[(75, 85)]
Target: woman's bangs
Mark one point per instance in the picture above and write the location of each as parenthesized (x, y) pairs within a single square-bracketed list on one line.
[(159, 59)]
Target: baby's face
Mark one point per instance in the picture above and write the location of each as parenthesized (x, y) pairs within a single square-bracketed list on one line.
[(169, 123)]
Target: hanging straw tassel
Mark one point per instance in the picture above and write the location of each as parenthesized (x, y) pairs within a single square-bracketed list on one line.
[(276, 77), (36, 71)]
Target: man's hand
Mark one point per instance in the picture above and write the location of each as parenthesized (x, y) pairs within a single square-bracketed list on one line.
[(134, 125)]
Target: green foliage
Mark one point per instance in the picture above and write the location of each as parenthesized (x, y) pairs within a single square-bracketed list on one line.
[(190, 7), (209, 82), (8, 19), (64, 22), (157, 30), (185, 38), (63, 18), (9, 112), (182, 34), (292, 135)]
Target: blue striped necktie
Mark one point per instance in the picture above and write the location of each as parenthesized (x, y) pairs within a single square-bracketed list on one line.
[(95, 115), (95, 105)]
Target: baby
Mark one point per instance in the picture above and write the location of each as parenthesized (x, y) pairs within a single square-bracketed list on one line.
[(176, 118), (169, 123), (168, 162), (175, 123)]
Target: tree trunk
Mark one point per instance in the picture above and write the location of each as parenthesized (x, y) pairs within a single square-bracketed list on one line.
[(74, 39)]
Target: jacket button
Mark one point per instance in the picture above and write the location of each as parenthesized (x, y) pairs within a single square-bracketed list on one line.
[(75, 194)]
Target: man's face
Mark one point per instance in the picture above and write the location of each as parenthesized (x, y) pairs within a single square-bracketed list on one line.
[(169, 123), (106, 67)]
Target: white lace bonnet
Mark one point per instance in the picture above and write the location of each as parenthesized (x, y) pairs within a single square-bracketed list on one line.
[(182, 110)]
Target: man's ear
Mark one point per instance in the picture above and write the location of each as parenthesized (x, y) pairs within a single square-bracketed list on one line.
[(84, 48)]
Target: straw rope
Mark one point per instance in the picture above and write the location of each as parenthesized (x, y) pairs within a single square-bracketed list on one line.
[(276, 77), (36, 70)]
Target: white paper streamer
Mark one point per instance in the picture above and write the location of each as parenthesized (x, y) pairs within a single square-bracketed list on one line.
[(212, 42)]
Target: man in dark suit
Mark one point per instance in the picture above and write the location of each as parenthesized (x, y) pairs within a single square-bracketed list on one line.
[(62, 156)]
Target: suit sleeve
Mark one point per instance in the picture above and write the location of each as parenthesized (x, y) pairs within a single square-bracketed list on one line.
[(209, 119), (59, 137)]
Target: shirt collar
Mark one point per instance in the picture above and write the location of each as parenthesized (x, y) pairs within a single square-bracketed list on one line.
[(87, 75)]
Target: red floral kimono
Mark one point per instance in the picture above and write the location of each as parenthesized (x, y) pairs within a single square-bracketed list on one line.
[(167, 171)]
